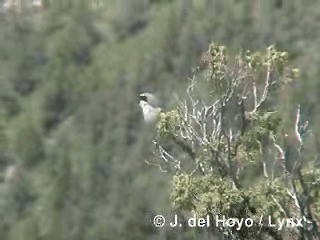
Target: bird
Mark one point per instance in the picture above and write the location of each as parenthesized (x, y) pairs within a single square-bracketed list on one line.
[(150, 107)]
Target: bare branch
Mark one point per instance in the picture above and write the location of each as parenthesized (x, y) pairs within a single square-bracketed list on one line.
[(265, 90), (156, 165), (296, 126)]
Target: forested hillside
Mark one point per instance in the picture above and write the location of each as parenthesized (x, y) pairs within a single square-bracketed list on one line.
[(75, 152)]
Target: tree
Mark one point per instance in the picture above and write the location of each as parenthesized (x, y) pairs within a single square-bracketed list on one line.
[(234, 156)]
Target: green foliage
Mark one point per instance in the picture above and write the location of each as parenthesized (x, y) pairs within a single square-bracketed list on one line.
[(262, 127), (210, 194), (168, 122), (239, 135), (29, 152), (205, 193), (217, 64), (3, 138)]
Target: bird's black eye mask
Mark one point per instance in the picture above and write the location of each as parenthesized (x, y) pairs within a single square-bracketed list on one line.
[(142, 98)]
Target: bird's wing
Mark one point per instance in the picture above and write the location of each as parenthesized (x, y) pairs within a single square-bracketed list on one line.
[(153, 101)]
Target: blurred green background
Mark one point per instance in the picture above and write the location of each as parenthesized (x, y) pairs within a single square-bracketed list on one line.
[(73, 143)]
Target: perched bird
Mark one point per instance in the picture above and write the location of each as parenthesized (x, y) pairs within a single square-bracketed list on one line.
[(150, 107)]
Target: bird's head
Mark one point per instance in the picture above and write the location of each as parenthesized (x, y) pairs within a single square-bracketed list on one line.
[(150, 106)]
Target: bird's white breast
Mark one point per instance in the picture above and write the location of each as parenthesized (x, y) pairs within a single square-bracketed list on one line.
[(150, 113)]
